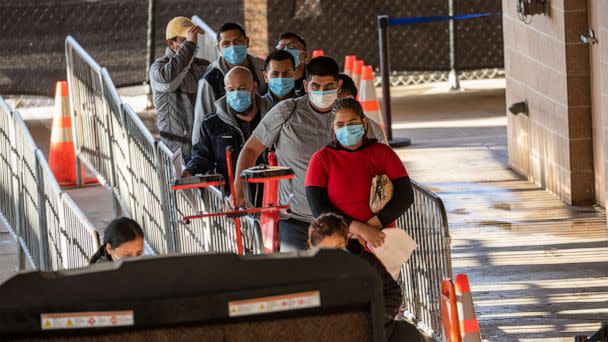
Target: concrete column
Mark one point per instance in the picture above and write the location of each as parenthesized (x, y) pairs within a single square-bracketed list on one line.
[(256, 25), (547, 64)]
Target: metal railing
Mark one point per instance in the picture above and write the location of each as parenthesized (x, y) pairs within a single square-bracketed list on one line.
[(426, 222), (138, 170), (42, 219)]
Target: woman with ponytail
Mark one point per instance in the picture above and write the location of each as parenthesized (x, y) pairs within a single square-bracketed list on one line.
[(123, 238)]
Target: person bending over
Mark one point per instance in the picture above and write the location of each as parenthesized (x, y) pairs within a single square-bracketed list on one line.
[(123, 238)]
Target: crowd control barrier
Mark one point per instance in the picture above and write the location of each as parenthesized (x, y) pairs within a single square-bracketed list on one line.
[(51, 232)]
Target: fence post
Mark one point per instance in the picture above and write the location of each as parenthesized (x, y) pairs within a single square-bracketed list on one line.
[(150, 50), (42, 222), (386, 86), (453, 77), (69, 71)]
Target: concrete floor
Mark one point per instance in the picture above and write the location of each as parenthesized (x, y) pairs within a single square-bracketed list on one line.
[(537, 267)]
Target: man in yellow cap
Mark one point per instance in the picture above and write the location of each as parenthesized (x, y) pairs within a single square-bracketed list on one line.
[(173, 79)]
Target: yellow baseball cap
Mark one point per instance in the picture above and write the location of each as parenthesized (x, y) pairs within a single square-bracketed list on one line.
[(178, 27)]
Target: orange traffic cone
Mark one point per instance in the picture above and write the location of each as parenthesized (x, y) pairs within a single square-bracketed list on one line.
[(356, 76), (62, 158), (348, 65), (318, 53), (449, 313), (367, 97), (469, 327)]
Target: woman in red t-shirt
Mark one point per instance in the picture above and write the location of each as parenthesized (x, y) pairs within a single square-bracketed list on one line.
[(339, 176)]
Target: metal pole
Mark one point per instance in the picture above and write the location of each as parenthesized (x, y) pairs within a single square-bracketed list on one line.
[(386, 86), (453, 77), (150, 50)]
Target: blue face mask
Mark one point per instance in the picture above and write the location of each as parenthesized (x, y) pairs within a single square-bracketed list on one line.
[(295, 53), (235, 54), (281, 86), (350, 135), (239, 100)]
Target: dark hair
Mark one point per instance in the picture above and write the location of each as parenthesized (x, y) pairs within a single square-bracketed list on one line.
[(326, 225), (348, 103), (279, 55), (229, 27), (322, 66), (348, 85), (119, 231), (288, 35)]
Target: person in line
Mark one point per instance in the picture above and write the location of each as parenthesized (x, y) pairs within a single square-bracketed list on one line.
[(339, 176), (279, 75), (350, 90), (296, 46), (331, 231), (123, 238), (235, 117), (173, 79), (296, 128), (233, 43)]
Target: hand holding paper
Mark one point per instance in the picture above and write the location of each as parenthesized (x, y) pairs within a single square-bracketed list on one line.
[(396, 250)]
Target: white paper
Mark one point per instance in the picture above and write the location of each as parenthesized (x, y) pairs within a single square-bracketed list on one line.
[(395, 251), (178, 170)]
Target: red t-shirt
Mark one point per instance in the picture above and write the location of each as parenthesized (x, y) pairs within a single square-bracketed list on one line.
[(348, 175)]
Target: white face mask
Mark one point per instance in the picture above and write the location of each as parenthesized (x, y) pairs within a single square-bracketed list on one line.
[(323, 99)]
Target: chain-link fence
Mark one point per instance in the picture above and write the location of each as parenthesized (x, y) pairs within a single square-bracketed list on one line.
[(33, 34), (349, 27), (116, 32)]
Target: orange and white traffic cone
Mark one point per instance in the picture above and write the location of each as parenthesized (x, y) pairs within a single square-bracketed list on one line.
[(356, 76), (62, 158), (318, 53), (368, 99), (469, 327), (449, 312), (348, 65)]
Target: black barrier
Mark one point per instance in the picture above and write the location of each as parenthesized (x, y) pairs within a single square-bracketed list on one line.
[(310, 296)]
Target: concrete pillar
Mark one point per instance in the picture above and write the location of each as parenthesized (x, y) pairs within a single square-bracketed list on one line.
[(547, 64), (256, 25)]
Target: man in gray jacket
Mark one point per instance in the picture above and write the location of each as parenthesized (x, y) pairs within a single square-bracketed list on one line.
[(173, 79), (233, 43)]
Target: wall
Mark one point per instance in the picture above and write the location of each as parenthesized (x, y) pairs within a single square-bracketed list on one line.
[(547, 64), (598, 21)]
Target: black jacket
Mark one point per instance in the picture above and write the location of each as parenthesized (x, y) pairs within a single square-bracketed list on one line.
[(218, 131)]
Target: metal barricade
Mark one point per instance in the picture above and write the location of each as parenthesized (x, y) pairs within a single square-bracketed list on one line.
[(32, 206), (119, 142), (214, 234), (81, 238), (147, 206), (91, 125), (426, 222), (8, 173), (30, 229), (51, 211), (207, 42)]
